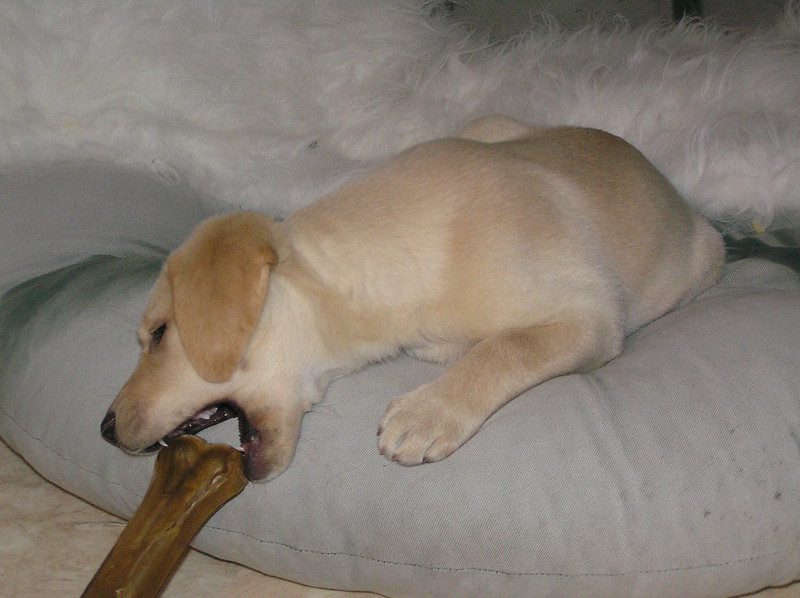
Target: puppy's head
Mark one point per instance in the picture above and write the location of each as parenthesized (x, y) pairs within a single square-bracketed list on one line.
[(194, 337)]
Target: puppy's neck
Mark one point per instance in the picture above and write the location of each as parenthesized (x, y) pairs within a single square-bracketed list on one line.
[(301, 344)]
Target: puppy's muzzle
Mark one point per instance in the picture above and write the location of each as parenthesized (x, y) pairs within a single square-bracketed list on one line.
[(205, 418), (108, 430)]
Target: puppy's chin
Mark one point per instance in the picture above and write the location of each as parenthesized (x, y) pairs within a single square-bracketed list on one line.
[(263, 461), (257, 468), (268, 439)]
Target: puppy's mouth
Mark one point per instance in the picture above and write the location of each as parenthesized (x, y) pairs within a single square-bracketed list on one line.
[(206, 418), (257, 467)]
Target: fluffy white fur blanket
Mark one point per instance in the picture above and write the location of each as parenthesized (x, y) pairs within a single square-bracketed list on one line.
[(271, 103)]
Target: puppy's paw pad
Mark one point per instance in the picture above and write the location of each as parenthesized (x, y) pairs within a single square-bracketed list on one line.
[(420, 428)]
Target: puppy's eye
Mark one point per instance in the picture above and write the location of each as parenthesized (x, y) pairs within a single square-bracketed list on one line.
[(157, 335)]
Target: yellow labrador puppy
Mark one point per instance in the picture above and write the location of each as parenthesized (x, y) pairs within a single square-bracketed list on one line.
[(511, 253)]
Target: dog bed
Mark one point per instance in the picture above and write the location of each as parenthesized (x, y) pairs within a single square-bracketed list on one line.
[(670, 471)]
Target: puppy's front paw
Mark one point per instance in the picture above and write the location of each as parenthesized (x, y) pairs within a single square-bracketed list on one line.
[(421, 427)]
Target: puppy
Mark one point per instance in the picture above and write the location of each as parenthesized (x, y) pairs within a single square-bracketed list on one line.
[(513, 254)]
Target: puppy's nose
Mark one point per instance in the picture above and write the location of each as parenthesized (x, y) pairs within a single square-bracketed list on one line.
[(108, 428)]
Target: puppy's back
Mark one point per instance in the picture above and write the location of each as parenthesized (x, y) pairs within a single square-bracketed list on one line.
[(505, 232), (663, 251)]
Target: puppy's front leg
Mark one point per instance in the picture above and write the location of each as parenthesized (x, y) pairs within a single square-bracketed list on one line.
[(430, 422)]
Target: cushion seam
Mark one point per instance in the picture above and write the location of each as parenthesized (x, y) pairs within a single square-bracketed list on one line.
[(509, 573), (411, 565)]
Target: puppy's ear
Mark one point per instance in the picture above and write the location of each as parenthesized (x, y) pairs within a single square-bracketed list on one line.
[(219, 282)]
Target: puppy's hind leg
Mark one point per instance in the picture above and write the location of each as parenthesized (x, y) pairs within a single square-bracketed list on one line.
[(433, 420)]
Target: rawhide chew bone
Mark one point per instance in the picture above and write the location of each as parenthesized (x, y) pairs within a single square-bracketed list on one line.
[(191, 481)]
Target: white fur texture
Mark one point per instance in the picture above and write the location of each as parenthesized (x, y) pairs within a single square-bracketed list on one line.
[(271, 103)]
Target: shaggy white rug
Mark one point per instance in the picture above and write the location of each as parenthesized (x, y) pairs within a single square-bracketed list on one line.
[(271, 103)]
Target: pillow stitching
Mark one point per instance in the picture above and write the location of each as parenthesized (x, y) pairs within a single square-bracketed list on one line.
[(412, 565), (508, 573)]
